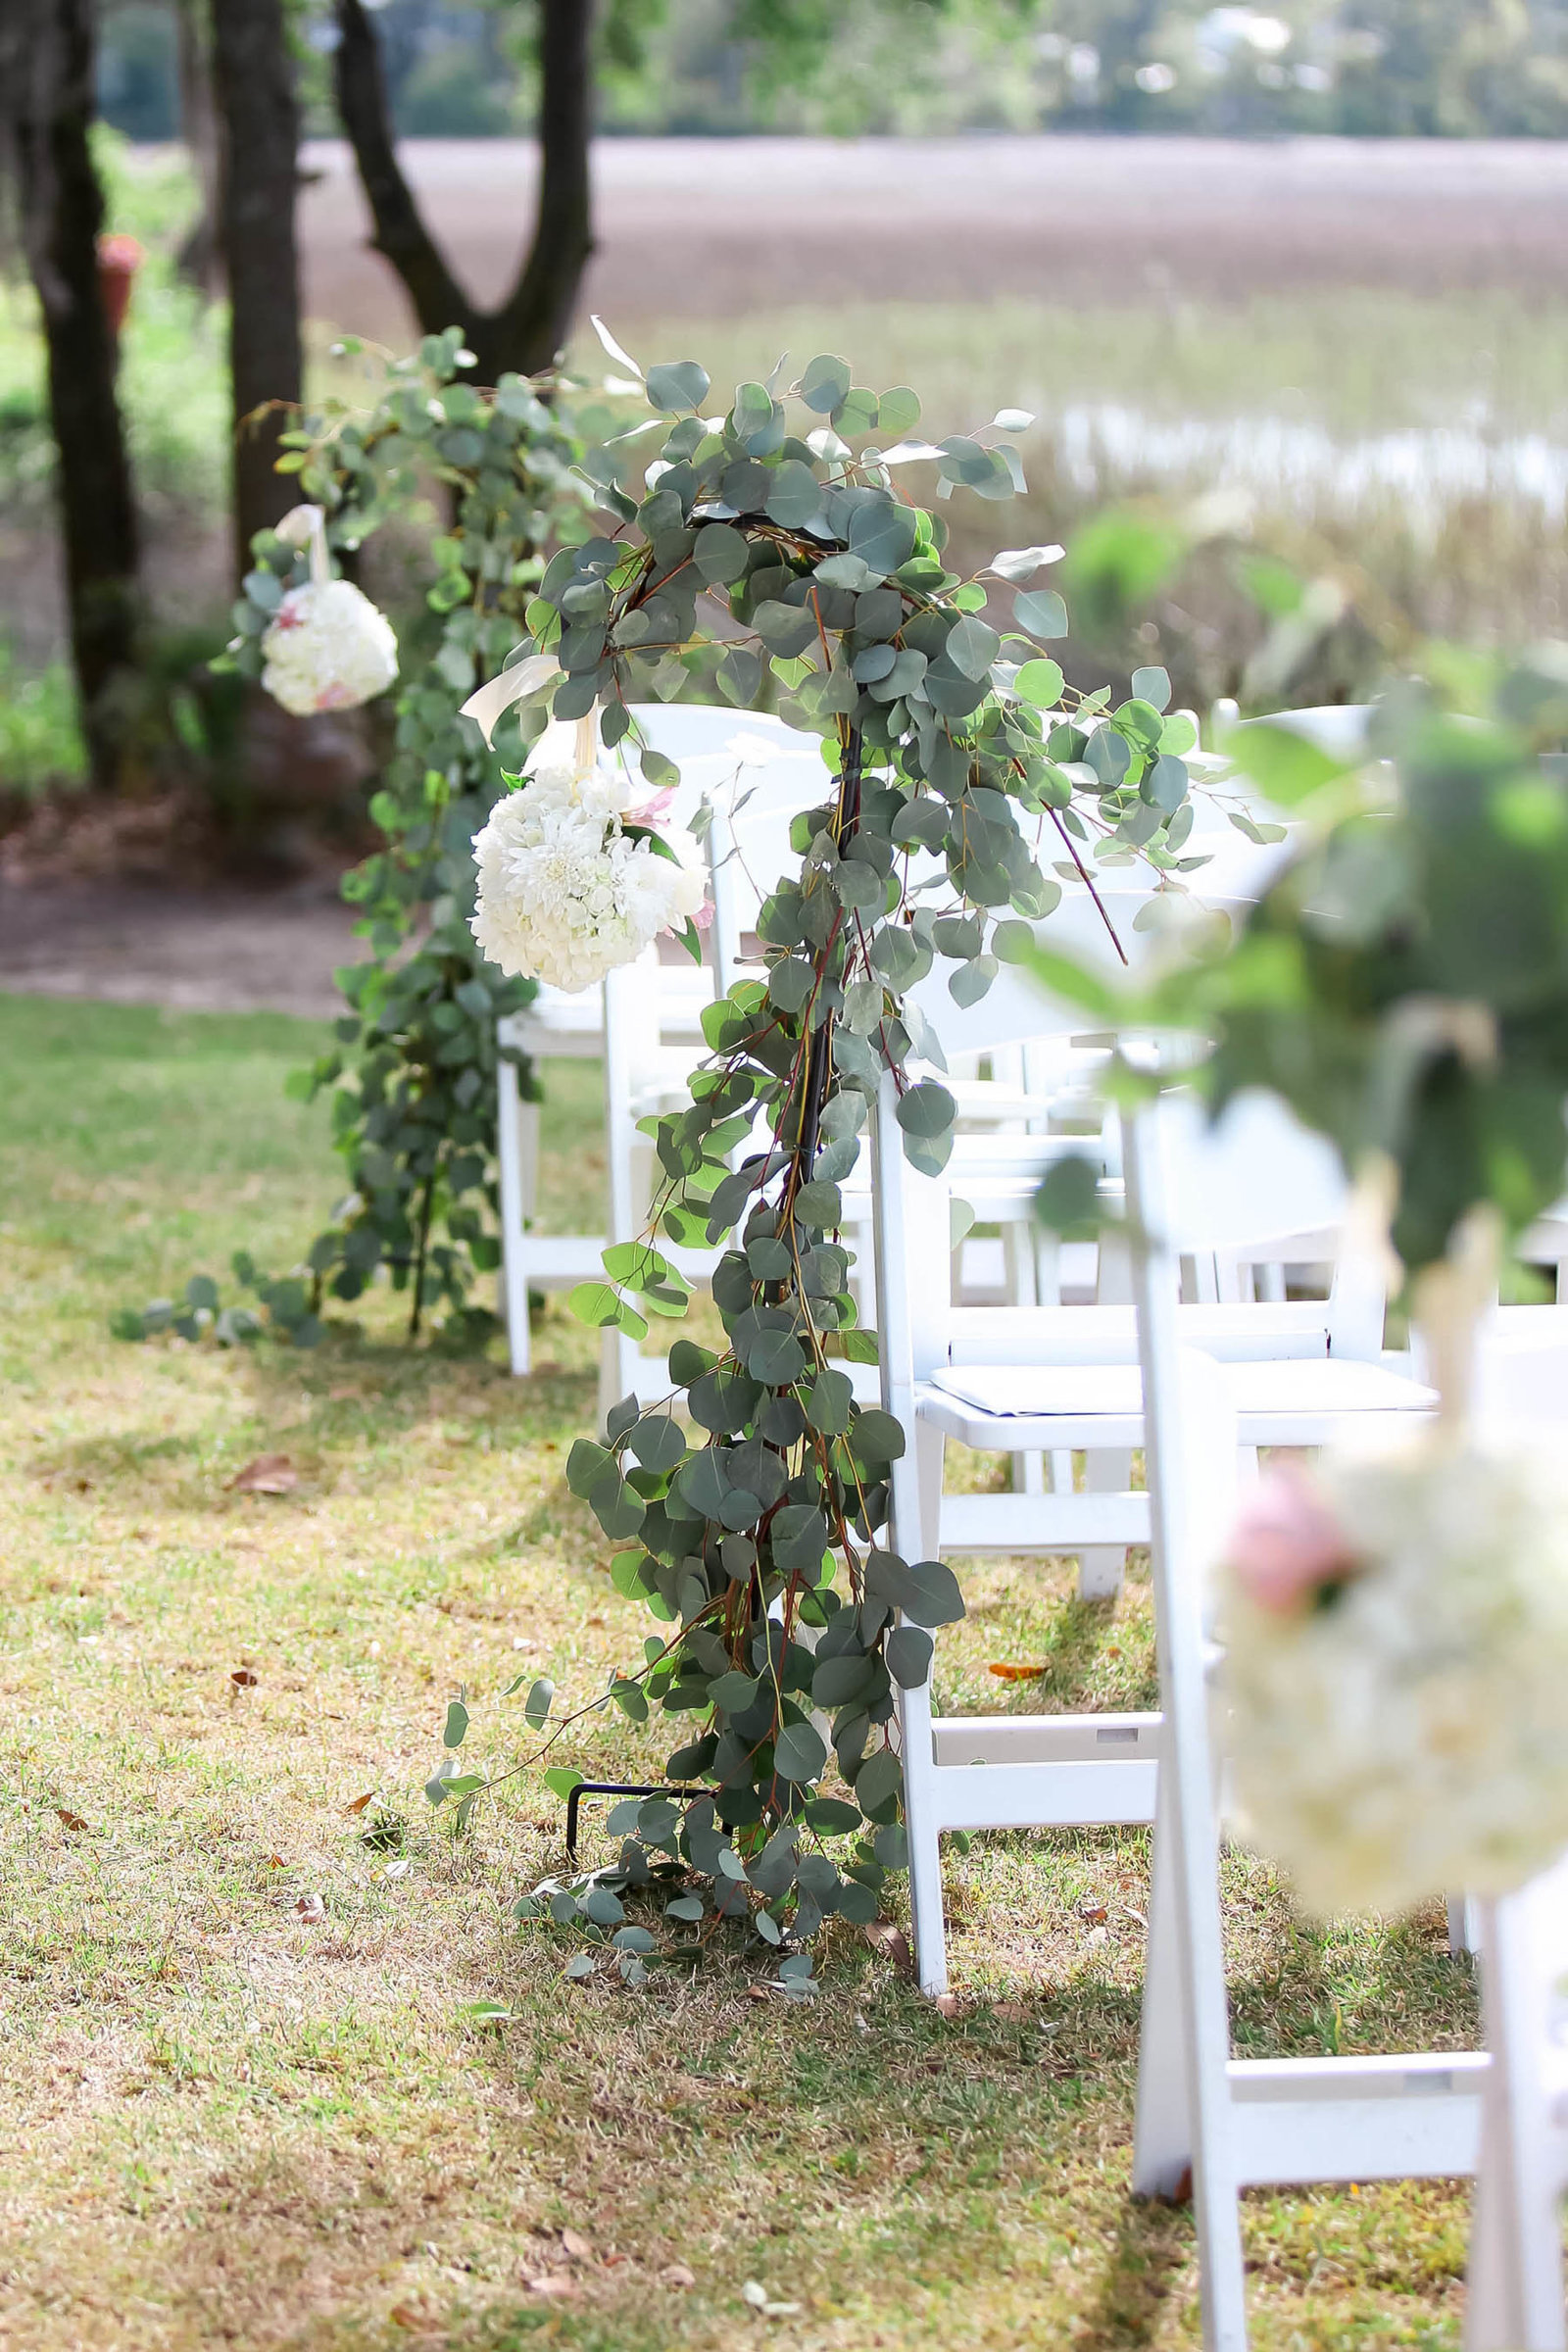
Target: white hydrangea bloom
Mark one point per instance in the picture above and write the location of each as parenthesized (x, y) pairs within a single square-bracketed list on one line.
[(327, 648), (565, 893), (1403, 1735)]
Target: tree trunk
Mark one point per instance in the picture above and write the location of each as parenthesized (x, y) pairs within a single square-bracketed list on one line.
[(255, 89), (531, 324), (49, 72), (200, 260)]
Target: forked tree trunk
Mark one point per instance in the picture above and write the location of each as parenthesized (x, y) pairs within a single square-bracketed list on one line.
[(532, 324), (254, 84)]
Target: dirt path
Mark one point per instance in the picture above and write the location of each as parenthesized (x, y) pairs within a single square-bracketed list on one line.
[(210, 951), (706, 228)]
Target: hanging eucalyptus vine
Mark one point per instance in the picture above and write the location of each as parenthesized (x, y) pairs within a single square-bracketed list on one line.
[(751, 1506), (413, 1068)]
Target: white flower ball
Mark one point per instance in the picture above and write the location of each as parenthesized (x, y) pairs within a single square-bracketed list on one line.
[(565, 893), (1399, 1731), (327, 649)]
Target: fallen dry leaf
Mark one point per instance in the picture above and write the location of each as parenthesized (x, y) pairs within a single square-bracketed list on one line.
[(946, 2004), (359, 1803), (244, 1678), (268, 1473), (577, 2246), (311, 1906), (676, 2273), (755, 1992), (1015, 1674), (1091, 1910), (1011, 2013), (883, 1937), (72, 1821), (555, 2283), (417, 2322), (276, 1862)]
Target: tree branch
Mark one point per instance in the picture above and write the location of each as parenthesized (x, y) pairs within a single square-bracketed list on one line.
[(360, 86), (533, 321), (535, 318)]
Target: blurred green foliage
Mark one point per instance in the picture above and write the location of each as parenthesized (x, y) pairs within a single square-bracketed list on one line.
[(1404, 983), (1380, 67)]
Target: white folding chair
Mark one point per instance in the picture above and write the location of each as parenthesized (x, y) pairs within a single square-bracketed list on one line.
[(1064, 1379), (655, 1021), (1226, 2124), (1011, 1011)]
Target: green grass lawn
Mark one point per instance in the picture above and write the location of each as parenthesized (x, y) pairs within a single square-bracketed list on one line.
[(241, 2098)]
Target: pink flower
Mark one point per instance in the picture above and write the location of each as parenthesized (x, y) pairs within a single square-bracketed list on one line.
[(336, 697), (1287, 1544), (653, 809)]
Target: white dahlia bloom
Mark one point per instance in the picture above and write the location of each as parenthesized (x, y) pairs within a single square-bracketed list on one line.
[(566, 892), (327, 648), (1395, 1672)]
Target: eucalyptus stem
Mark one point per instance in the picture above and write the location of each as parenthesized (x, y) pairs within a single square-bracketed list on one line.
[(427, 1208)]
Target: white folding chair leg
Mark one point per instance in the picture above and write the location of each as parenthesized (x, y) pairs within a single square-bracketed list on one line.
[(930, 1451), (1465, 1925), (1516, 2276), (923, 1837), (512, 1141), (1162, 2140), (1103, 1566), (1190, 1455)]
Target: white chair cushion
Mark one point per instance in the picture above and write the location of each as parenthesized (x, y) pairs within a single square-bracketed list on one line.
[(1299, 1386)]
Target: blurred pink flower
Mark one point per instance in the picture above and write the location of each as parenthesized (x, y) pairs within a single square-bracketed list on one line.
[(650, 812), (1286, 1544)]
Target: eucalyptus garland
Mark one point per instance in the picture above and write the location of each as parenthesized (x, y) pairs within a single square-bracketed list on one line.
[(413, 1065), (963, 783)]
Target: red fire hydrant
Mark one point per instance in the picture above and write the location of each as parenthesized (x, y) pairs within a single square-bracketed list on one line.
[(118, 258)]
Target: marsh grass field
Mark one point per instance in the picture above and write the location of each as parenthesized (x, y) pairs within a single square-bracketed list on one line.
[(1353, 355), (244, 2096)]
